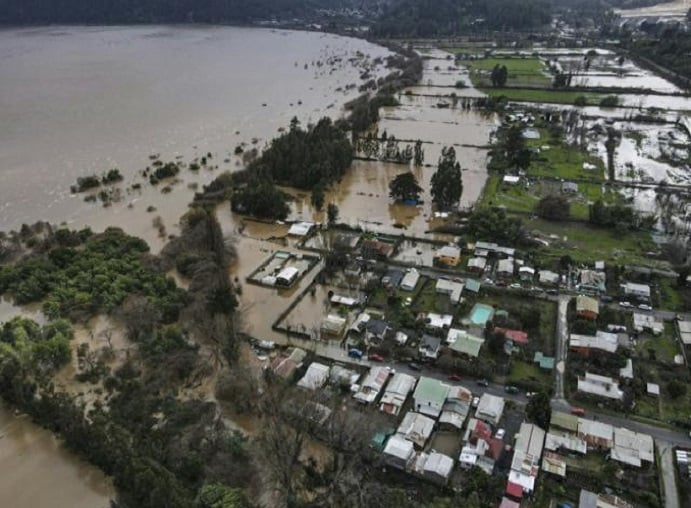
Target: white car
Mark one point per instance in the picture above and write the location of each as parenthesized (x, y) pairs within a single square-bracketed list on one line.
[(645, 306), (476, 401), (515, 285), (500, 434), (625, 304)]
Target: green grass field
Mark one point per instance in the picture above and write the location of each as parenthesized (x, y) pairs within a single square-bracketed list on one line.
[(548, 96), (563, 161)]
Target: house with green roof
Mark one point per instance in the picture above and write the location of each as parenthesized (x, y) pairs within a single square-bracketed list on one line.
[(429, 397), (544, 362), (464, 343)]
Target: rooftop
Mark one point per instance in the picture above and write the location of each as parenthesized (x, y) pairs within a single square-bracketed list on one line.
[(430, 389)]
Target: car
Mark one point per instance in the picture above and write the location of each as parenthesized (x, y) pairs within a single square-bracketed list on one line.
[(606, 299), (552, 292), (530, 395), (511, 389), (625, 304), (455, 377), (415, 366), (374, 357), (515, 285), (476, 401), (500, 434), (355, 353), (578, 411), (645, 306), (483, 382), (408, 302)]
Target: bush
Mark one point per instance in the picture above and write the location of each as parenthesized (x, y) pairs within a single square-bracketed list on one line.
[(611, 101), (580, 101), (676, 389)]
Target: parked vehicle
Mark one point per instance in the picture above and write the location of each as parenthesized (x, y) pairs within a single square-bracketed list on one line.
[(355, 353), (500, 434), (415, 366), (374, 357), (511, 389), (645, 306), (578, 411), (455, 377), (483, 382), (625, 304), (476, 401)]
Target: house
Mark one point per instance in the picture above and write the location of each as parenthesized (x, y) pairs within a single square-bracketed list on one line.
[(587, 307), (377, 329), (511, 179), (392, 279), (544, 362), (640, 291), (559, 440), (409, 282), (341, 376), (287, 276), (600, 385), (648, 322), (429, 396), (374, 249), (360, 323), (515, 336), (653, 389), (632, 448), (569, 188), (526, 273), (456, 408), (477, 264), (333, 325), (554, 463), (484, 248), (396, 393), (285, 366), (434, 466), (429, 347), (464, 343), (449, 287), (548, 278), (373, 383), (490, 408), (564, 421), (684, 332), (526, 457), (416, 428), (601, 341), (399, 452), (505, 268), (592, 281), (472, 285), (508, 503), (346, 301), (315, 377), (589, 499), (438, 322), (449, 255), (401, 337), (626, 372), (596, 434), (300, 228)]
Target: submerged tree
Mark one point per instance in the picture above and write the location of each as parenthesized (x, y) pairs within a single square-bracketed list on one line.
[(447, 183), (405, 187)]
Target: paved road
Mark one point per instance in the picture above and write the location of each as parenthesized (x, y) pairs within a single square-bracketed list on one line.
[(669, 480), (562, 338)]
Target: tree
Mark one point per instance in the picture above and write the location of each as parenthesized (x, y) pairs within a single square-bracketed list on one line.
[(318, 198), (405, 187), (447, 182), (539, 410), (502, 76), (332, 214), (553, 207), (515, 149), (676, 388)]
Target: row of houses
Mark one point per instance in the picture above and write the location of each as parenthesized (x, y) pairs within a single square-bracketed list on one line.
[(573, 434)]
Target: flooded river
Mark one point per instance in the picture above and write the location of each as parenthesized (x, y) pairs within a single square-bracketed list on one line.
[(78, 101)]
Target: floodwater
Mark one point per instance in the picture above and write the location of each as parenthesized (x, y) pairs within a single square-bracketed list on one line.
[(36, 470), (81, 100), (676, 9), (78, 101)]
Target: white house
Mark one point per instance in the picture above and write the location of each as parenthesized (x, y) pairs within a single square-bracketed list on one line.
[(396, 393), (373, 383), (399, 452), (315, 377), (638, 290), (600, 385), (410, 280), (490, 408), (416, 428)]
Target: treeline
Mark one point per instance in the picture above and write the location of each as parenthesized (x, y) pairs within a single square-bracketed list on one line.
[(427, 18), (669, 48), (151, 11), (310, 158)]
